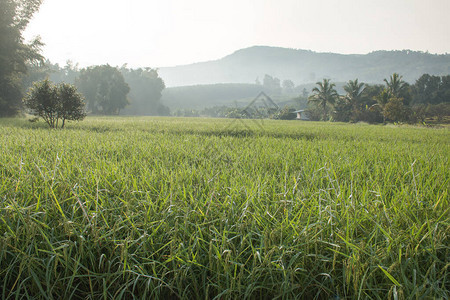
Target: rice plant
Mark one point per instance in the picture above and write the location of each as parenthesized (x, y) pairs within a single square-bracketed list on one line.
[(176, 208)]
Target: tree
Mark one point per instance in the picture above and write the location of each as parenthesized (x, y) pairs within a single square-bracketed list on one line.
[(104, 88), (444, 89), (43, 101), (54, 103), (439, 111), (71, 103), (288, 86), (370, 110), (36, 72), (324, 95), (342, 110), (396, 111), (430, 89), (382, 100), (145, 92), (354, 96), (425, 89), (272, 84), (14, 53), (395, 86)]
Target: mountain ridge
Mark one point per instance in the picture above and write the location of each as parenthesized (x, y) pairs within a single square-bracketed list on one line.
[(305, 66)]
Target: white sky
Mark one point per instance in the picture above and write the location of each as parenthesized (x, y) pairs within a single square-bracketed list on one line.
[(159, 33)]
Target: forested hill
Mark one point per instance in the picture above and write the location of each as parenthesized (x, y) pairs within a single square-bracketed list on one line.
[(303, 66)]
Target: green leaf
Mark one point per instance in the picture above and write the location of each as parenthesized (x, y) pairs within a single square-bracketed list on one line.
[(390, 276)]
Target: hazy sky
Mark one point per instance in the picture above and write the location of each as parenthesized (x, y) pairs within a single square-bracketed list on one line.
[(158, 33)]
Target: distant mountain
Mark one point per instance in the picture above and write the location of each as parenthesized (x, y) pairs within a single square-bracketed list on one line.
[(304, 66)]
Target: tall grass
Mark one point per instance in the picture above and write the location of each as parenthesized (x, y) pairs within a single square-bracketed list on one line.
[(204, 209)]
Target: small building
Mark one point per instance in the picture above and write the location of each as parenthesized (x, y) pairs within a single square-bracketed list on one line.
[(301, 115)]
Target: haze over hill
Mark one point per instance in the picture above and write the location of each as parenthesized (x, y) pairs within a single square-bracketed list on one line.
[(304, 66)]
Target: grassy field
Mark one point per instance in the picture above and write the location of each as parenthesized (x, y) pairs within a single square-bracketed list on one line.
[(199, 209)]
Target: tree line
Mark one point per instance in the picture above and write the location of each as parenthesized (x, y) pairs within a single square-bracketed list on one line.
[(395, 101), (106, 90), (428, 99)]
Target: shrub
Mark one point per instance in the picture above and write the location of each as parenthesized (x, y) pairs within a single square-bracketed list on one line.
[(286, 113), (396, 111), (55, 102)]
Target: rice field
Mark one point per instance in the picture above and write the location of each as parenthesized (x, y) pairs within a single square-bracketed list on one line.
[(191, 208)]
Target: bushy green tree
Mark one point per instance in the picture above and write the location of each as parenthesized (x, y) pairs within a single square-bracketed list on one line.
[(370, 111), (55, 103), (14, 53), (440, 112), (71, 103), (343, 110), (104, 88), (145, 92), (430, 89), (42, 100), (396, 111)]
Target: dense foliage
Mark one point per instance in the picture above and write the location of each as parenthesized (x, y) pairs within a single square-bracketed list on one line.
[(430, 89), (354, 101), (55, 103), (14, 53), (146, 208), (105, 89), (145, 92), (396, 101), (427, 100), (145, 85)]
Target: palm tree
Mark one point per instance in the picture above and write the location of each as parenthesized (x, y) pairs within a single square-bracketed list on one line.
[(395, 86), (382, 99), (324, 95), (354, 91)]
